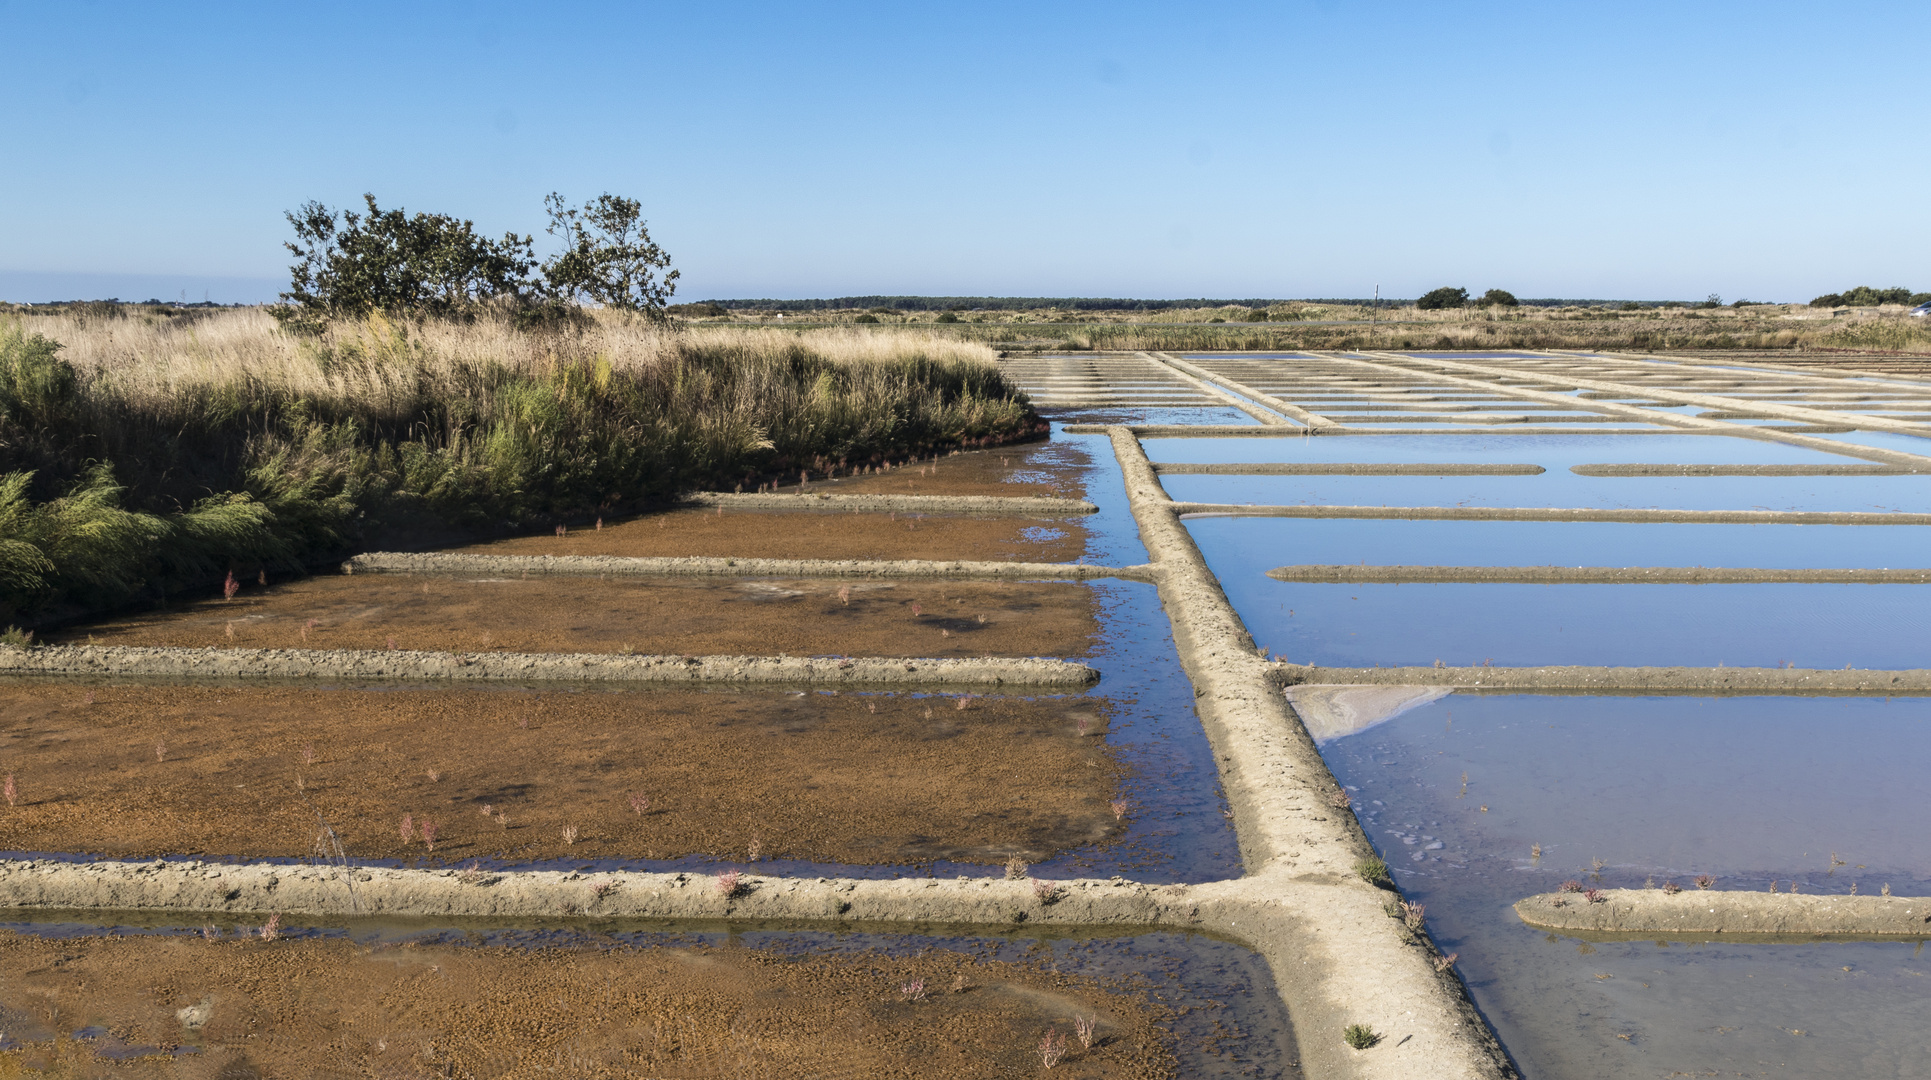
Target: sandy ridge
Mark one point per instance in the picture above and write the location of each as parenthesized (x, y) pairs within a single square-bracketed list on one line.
[(109, 661), (1696, 911), (1745, 680), (394, 562), (1015, 505)]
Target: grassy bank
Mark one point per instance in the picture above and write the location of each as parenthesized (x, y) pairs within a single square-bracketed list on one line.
[(147, 449), (1316, 325)]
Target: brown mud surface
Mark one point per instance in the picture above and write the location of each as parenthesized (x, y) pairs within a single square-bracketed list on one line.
[(807, 534), (139, 770), (235, 1008), (697, 617), (1050, 469), (1034, 469)]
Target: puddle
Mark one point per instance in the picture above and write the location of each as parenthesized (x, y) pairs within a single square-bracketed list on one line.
[(1745, 788), (490, 999)]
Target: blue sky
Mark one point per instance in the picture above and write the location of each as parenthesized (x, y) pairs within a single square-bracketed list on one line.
[(1769, 151)]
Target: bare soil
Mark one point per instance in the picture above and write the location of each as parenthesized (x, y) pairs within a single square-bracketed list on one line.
[(781, 534), (627, 615), (238, 1009), (143, 770), (1045, 468)]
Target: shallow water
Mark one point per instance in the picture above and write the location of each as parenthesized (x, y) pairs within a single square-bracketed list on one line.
[(1226, 1014), (1516, 625), (1555, 453), (1562, 488), (1237, 547), (1746, 788)]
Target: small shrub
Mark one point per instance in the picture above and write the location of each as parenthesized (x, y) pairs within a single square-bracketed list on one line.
[(428, 831), (1413, 914), (15, 638), (13, 796), (1052, 1047), (1084, 1026), (913, 990), (1045, 891), (1374, 871), (728, 883), (1570, 886), (271, 929), (1498, 298), (1444, 297), (1705, 881), (569, 835), (1120, 807), (866, 318), (407, 828), (1593, 896), (1671, 888), (1443, 963), (1340, 799), (1360, 1036), (1015, 868), (638, 804)]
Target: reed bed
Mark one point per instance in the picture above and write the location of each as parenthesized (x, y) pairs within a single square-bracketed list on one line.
[(146, 449)]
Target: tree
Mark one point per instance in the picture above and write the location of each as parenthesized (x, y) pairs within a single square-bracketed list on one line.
[(609, 257), (1498, 298), (1443, 297), (387, 260)]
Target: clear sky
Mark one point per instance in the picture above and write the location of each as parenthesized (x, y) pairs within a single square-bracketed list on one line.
[(1764, 150)]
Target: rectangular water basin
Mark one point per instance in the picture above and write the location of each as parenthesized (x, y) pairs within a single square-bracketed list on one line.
[(1479, 800)]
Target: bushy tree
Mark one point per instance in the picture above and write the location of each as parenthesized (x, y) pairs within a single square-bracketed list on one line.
[(1865, 296), (1498, 298), (1444, 297), (609, 257), (388, 260)]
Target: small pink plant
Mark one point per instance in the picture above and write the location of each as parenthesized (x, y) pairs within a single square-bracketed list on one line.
[(211, 932), (599, 524), (1443, 963), (563, 530), (638, 804), (488, 810), (1084, 725), (12, 793), (1120, 807), (569, 834), (1052, 1047), (1671, 888), (1045, 891), (230, 631), (1594, 896), (308, 754), (727, 882), (392, 643), (1084, 1026), (90, 697), (407, 828), (1413, 914), (230, 587), (1570, 886), (917, 611), (160, 750), (913, 990), (963, 703), (1705, 881), (845, 595), (434, 775), (271, 929), (428, 830)]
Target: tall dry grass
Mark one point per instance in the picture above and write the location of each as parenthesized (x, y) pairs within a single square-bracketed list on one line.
[(299, 446)]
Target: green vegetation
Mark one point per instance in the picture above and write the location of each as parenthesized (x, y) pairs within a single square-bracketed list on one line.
[(1374, 871), (1498, 298), (1444, 297), (435, 266), (1360, 1036), (1865, 296), (138, 455)]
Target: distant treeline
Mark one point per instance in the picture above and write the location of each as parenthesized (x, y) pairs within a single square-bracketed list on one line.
[(1091, 303)]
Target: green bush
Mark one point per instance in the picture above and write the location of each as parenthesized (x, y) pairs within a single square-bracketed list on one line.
[(947, 317), (1360, 1036), (1256, 315), (104, 493), (866, 318), (1444, 297), (1865, 296), (1498, 298)]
